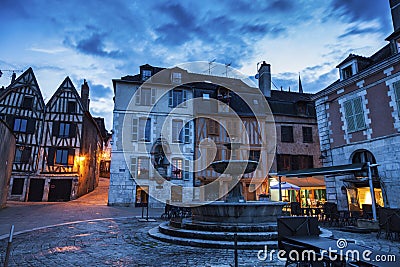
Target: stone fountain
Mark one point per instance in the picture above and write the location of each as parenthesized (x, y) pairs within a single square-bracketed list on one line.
[(214, 224)]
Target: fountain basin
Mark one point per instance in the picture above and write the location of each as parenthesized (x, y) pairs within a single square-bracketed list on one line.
[(250, 212), (234, 167)]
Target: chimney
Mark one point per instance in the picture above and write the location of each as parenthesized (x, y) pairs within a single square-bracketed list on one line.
[(395, 9), (264, 79), (13, 77), (85, 95)]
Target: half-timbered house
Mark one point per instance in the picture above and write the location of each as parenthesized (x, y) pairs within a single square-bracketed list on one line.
[(58, 144), (22, 107)]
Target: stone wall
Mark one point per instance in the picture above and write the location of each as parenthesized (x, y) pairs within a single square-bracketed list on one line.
[(7, 150)]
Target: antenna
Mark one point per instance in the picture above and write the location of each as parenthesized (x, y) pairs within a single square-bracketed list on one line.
[(1, 71), (209, 66), (227, 69)]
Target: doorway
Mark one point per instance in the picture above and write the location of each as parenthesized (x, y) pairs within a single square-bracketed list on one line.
[(36, 187), (60, 190)]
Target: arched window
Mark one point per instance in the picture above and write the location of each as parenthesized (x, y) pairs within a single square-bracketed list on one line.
[(364, 156)]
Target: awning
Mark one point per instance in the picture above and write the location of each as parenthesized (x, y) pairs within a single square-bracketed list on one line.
[(316, 181), (333, 170), (362, 182), (286, 186)]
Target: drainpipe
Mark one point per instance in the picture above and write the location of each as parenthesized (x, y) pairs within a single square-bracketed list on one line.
[(280, 187)]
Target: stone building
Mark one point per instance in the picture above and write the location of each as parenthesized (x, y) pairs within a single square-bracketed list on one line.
[(57, 144), (149, 114), (164, 119), (359, 121), (7, 149)]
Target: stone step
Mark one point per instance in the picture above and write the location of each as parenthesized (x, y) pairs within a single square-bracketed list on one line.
[(221, 227), (252, 245), (215, 235)]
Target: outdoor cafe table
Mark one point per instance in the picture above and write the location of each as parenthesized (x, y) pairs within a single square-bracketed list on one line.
[(317, 243)]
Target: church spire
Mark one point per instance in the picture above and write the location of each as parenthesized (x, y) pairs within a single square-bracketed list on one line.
[(300, 86)]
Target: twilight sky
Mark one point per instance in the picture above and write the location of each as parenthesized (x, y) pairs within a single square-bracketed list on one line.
[(103, 40)]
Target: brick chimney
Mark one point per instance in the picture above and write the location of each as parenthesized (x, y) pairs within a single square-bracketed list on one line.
[(264, 79), (85, 95), (395, 9)]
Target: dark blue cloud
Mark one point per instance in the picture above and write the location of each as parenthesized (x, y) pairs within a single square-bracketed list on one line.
[(358, 31), (281, 5), (98, 91), (94, 45), (363, 10)]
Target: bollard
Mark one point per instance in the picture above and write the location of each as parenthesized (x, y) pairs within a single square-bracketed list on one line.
[(236, 252), (8, 251)]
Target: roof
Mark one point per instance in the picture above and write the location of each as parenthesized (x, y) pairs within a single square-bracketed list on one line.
[(351, 57), (332, 170)]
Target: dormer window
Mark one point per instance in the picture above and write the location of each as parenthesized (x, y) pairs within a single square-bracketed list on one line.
[(146, 74), (176, 77), (348, 70)]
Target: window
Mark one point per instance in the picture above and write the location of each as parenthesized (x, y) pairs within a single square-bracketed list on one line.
[(396, 87), (64, 130), (347, 72), (254, 155), (20, 125), (354, 114), (65, 156), (22, 154), (206, 96), (18, 186), (143, 167), (141, 129), (145, 96), (294, 162), (27, 102), (212, 127), (146, 74), (71, 107), (144, 129), (176, 170), (363, 156), (307, 135), (177, 97), (177, 134), (176, 77), (287, 134)]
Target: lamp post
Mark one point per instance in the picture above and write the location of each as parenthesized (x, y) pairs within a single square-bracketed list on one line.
[(371, 188)]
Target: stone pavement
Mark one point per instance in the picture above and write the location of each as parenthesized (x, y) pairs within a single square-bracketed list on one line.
[(83, 237), (31, 215)]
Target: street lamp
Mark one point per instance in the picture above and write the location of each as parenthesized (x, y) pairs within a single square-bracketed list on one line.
[(371, 188)]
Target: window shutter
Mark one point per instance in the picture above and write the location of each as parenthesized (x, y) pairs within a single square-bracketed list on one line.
[(10, 121), (153, 96), (26, 155), (55, 128), (135, 129), (72, 130), (71, 155), (186, 174), (170, 98), (184, 98), (30, 129), (138, 91), (348, 110), (50, 156), (147, 132), (359, 113), (133, 167), (187, 132)]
